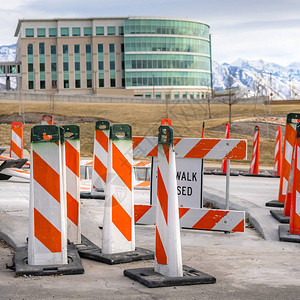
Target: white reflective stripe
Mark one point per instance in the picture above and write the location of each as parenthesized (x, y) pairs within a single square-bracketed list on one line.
[(149, 217), (230, 221), (16, 139), (298, 157), (221, 149), (100, 153), (284, 186), (276, 148), (184, 146), (276, 166), (191, 217), (13, 155), (145, 146), (297, 208), (288, 152), (71, 183)]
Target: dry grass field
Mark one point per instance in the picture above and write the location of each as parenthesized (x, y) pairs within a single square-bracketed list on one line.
[(145, 119)]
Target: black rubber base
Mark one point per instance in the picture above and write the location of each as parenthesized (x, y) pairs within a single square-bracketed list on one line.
[(85, 195), (261, 175), (152, 279), (90, 251), (73, 267), (286, 236), (275, 203), (224, 174), (279, 216)]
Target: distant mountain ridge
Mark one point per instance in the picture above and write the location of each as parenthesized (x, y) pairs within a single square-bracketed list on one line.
[(250, 76)]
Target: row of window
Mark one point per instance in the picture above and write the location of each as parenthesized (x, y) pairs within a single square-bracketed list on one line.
[(12, 69), (174, 27), (163, 61), (167, 44), (173, 78), (74, 31), (177, 95)]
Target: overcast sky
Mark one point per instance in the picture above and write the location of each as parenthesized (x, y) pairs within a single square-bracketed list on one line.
[(250, 29)]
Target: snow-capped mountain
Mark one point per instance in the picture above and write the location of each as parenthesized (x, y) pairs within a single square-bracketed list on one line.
[(260, 77), (251, 77)]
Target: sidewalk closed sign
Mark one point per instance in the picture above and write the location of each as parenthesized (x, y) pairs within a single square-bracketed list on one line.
[(189, 182)]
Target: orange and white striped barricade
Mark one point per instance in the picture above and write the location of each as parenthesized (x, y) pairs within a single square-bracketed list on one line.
[(118, 243), (99, 173), (224, 161), (168, 269), (197, 218), (46, 120), (72, 157), (254, 164), (16, 141), (12, 167), (291, 232), (278, 152), (47, 242), (287, 156)]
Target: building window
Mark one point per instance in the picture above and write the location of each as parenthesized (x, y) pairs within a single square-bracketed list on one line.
[(157, 95), (123, 82), (100, 65), (29, 32), (41, 48), (191, 95), (53, 49), (54, 84), (77, 66), (101, 82), (66, 83), (41, 32), (76, 49), (42, 84), (176, 95), (65, 49), (100, 48), (52, 32), (53, 67), (112, 82), (75, 31), (148, 95), (121, 30), (112, 65), (42, 67), (88, 48), (89, 83), (87, 31), (64, 31), (198, 95), (30, 67), (100, 30), (184, 95), (30, 85), (111, 30), (66, 66), (88, 66), (77, 84), (30, 49), (111, 48)]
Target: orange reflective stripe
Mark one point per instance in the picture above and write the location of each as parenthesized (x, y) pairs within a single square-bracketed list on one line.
[(122, 166), (238, 152), (102, 139), (136, 140), (19, 131), (46, 233), (144, 184), (45, 176), (153, 152), (240, 227), (202, 148), (72, 158), (160, 253), (183, 211), (210, 219), (166, 149), (140, 210), (100, 169), (162, 195), (121, 219), (15, 149), (72, 209)]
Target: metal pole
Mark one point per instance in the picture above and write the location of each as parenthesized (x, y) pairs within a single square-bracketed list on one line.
[(227, 183)]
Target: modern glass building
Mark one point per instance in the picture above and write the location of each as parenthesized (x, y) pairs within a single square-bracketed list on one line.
[(150, 57)]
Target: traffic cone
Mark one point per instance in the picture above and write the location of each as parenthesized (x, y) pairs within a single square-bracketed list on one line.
[(168, 269), (224, 161), (72, 157), (47, 120), (203, 128), (278, 152), (254, 165), (99, 173), (16, 141)]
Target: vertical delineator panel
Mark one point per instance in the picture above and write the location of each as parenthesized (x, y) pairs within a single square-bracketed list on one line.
[(278, 152), (168, 259), (224, 161), (254, 165), (99, 174), (118, 222), (16, 141), (47, 243)]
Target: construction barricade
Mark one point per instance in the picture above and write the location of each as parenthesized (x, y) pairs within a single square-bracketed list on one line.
[(48, 253), (254, 165), (72, 158), (16, 141), (224, 161), (287, 157), (46, 120), (118, 243), (168, 269), (278, 152), (291, 232)]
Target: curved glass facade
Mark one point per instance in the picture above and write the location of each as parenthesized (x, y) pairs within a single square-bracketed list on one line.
[(167, 53)]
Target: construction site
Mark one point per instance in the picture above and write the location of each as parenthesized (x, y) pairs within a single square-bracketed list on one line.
[(149, 200)]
